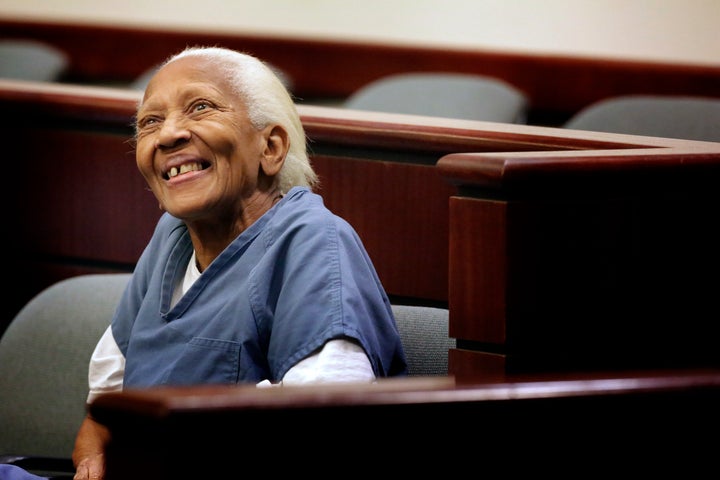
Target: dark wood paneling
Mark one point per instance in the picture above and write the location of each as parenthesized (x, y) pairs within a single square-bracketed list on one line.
[(86, 208), (554, 249), (88, 200), (604, 261), (400, 212)]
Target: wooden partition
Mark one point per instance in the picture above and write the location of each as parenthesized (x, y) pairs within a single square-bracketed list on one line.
[(80, 206), (646, 422), (324, 69), (554, 250), (580, 260)]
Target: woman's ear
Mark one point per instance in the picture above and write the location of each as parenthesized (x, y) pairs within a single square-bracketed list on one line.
[(277, 144)]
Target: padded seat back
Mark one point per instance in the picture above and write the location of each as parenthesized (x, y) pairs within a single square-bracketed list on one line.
[(452, 95), (45, 351), (424, 335), (44, 357), (668, 116), (31, 60)]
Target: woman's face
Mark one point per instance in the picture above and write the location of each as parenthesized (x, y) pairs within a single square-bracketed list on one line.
[(196, 147)]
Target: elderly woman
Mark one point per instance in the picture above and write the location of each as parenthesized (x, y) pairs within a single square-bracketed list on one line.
[(248, 277)]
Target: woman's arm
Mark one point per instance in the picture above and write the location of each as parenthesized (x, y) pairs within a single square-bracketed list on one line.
[(89, 453)]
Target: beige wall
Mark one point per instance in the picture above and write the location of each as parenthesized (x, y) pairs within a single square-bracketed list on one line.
[(684, 31)]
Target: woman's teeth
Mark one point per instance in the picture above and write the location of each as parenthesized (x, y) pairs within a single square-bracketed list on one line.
[(184, 168)]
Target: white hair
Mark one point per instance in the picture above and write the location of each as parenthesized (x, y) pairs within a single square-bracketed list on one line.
[(268, 102)]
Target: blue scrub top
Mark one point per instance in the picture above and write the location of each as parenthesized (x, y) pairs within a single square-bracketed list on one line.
[(296, 278)]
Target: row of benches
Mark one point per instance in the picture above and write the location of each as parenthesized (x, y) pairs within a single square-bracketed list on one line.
[(323, 70), (553, 249)]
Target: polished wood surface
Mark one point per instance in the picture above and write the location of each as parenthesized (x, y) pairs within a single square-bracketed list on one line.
[(411, 425)]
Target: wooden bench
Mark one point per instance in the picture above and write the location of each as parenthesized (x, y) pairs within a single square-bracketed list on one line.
[(326, 70), (554, 250)]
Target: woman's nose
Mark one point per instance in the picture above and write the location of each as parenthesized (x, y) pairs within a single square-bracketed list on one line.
[(173, 132)]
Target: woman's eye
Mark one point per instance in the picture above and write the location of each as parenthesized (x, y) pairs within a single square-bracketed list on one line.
[(200, 106), (147, 122)]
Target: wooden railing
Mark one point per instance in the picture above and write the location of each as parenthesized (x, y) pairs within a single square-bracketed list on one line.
[(413, 426), (554, 249)]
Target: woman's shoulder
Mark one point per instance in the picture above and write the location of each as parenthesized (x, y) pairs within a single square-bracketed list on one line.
[(306, 218), (167, 224), (305, 207), (166, 227)]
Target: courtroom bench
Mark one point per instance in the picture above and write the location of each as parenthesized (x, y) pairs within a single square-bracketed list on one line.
[(328, 70), (554, 250)]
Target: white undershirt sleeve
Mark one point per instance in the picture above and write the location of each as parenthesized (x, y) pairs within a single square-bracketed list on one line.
[(107, 366), (338, 360)]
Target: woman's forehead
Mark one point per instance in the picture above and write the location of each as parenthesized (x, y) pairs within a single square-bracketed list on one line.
[(188, 69), (189, 73)]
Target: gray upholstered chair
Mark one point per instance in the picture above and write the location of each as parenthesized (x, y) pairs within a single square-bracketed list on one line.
[(669, 116), (424, 335), (31, 60), (44, 355), (452, 95)]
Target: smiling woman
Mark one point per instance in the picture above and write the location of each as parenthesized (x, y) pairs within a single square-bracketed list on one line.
[(248, 277)]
